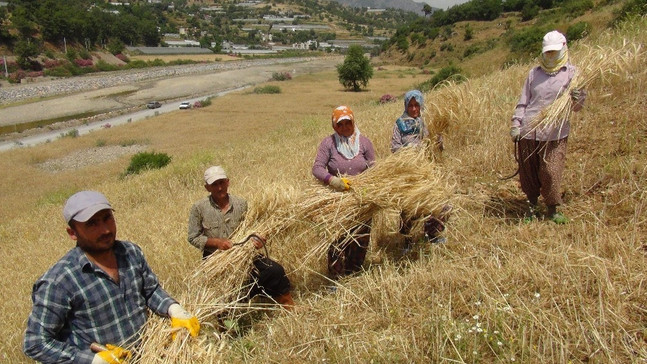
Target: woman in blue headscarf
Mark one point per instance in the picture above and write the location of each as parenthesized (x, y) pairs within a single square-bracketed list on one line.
[(410, 129)]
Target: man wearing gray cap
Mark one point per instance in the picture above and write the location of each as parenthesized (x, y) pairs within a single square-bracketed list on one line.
[(213, 220), (94, 300)]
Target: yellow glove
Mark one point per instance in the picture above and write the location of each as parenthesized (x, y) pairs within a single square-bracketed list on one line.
[(111, 354), (181, 318), (340, 184)]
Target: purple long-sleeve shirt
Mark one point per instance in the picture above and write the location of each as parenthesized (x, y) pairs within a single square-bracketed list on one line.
[(538, 92), (329, 162)]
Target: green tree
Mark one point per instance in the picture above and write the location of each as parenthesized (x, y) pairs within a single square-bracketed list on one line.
[(356, 69), (427, 9), (115, 46), (25, 50)]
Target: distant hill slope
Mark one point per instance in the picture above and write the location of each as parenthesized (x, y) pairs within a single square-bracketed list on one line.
[(407, 5)]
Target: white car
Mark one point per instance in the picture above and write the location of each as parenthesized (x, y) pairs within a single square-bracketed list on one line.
[(185, 105)]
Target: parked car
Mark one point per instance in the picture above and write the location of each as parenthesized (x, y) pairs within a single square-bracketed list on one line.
[(185, 105), (153, 105)]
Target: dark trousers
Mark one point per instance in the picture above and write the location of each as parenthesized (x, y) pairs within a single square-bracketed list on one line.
[(347, 257), (268, 278)]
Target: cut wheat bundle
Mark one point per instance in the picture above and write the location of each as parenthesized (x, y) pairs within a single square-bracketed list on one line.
[(407, 181), (594, 63)]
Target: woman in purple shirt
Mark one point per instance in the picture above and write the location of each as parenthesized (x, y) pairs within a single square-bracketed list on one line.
[(345, 153), (542, 150)]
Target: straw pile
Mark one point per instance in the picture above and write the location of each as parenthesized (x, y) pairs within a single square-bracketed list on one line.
[(407, 181), (594, 63)]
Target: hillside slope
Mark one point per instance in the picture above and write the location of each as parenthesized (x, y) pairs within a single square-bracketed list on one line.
[(482, 47), (497, 291)]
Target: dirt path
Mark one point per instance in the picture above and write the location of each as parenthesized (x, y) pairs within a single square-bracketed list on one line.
[(130, 96)]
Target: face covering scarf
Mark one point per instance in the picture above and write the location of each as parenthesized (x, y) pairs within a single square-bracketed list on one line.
[(552, 65)]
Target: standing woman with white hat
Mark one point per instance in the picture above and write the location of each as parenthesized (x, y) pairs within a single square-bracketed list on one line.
[(542, 149)]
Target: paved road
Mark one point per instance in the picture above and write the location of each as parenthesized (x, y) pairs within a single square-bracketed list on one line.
[(83, 129), (116, 92)]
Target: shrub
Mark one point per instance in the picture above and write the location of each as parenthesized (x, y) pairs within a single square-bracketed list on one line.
[(473, 49), (15, 77), (529, 11), (419, 39), (60, 71), (84, 54), (469, 33), (575, 8), (70, 134), (578, 31), (177, 62), (138, 63), (446, 47), (203, 103), (281, 76), (115, 47), (147, 160), (105, 66), (12, 66), (122, 57), (630, 9), (386, 98), (446, 73), (156, 63), (527, 42), (83, 62), (269, 89), (403, 44), (51, 63), (71, 54)]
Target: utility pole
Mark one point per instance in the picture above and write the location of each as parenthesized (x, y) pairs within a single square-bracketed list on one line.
[(64, 45), (6, 71)]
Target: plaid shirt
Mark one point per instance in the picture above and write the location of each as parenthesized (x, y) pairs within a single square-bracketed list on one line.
[(77, 303)]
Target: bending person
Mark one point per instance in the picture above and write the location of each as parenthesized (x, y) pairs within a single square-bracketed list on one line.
[(410, 130), (214, 219)]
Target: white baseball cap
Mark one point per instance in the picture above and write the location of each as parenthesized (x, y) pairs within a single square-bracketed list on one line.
[(212, 174), (81, 206), (553, 41)]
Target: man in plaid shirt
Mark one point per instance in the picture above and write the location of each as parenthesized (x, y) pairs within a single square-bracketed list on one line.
[(99, 292)]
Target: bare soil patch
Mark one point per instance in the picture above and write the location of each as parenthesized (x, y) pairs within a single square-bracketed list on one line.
[(86, 157)]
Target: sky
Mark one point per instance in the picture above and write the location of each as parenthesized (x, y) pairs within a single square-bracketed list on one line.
[(442, 4)]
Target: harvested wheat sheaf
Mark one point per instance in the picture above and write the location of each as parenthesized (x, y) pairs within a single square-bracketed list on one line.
[(593, 63), (408, 181)]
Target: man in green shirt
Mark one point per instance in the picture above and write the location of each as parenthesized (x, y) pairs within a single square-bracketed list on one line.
[(213, 220)]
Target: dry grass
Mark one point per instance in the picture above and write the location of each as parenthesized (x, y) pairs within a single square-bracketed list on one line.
[(498, 291)]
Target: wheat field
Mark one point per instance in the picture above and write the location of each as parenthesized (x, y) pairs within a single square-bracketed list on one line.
[(496, 291)]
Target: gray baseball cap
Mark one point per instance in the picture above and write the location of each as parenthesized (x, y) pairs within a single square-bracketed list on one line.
[(81, 206)]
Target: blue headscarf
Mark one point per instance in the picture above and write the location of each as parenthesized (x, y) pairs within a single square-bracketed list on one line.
[(406, 124)]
